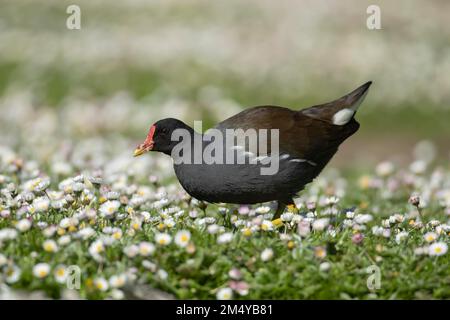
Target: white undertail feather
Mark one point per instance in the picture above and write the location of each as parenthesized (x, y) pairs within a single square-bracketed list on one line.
[(343, 116)]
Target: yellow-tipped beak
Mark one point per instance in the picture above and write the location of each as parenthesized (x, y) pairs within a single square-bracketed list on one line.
[(138, 152)]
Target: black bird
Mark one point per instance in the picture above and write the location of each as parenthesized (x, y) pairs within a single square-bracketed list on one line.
[(308, 139)]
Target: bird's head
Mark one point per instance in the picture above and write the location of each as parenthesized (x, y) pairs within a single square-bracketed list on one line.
[(159, 137)]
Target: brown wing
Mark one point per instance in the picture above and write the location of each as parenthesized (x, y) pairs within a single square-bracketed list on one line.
[(300, 135)]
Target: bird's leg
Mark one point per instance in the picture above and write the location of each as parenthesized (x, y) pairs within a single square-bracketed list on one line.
[(280, 209), (281, 206)]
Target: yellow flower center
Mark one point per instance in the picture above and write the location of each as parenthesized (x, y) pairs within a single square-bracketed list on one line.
[(42, 273)]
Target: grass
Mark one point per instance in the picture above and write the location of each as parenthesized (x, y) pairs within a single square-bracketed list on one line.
[(319, 265)]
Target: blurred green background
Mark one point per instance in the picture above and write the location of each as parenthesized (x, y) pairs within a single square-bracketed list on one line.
[(134, 62)]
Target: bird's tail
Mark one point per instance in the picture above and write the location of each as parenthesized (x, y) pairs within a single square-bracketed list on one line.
[(341, 111)]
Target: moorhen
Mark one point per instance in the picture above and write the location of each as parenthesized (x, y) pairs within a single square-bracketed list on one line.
[(307, 140)]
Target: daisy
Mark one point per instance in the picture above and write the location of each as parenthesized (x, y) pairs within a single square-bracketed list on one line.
[(50, 246), (117, 281), (41, 270), (438, 249), (331, 200), (95, 250), (23, 225), (131, 251), (3, 260), (109, 208), (117, 234), (13, 274), (117, 294), (266, 254), (136, 224), (288, 216), (213, 229), (320, 224), (363, 218), (49, 231), (235, 274), (60, 274), (304, 228), (182, 238), (101, 284), (64, 223), (401, 236), (162, 274), (225, 238), (146, 249), (384, 169), (41, 204), (320, 252), (267, 225), (430, 237), (163, 239), (324, 266), (262, 210), (7, 234), (224, 294)]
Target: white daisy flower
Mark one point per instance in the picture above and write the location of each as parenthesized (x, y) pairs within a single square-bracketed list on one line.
[(101, 284), (266, 254), (267, 225), (3, 260), (320, 224), (262, 210), (162, 274), (8, 234), (401, 236), (225, 238), (131, 251), (438, 249), (23, 225), (50, 246), (224, 294), (287, 216), (41, 204), (324, 266), (117, 281), (64, 223), (304, 228), (49, 231), (13, 274), (331, 200), (384, 169), (96, 249), (117, 294), (146, 249), (109, 208), (41, 270), (363, 218), (349, 214), (182, 238), (430, 237), (163, 239), (213, 229), (60, 274)]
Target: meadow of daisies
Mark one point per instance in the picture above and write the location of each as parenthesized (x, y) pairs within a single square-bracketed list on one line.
[(125, 232), (80, 218)]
